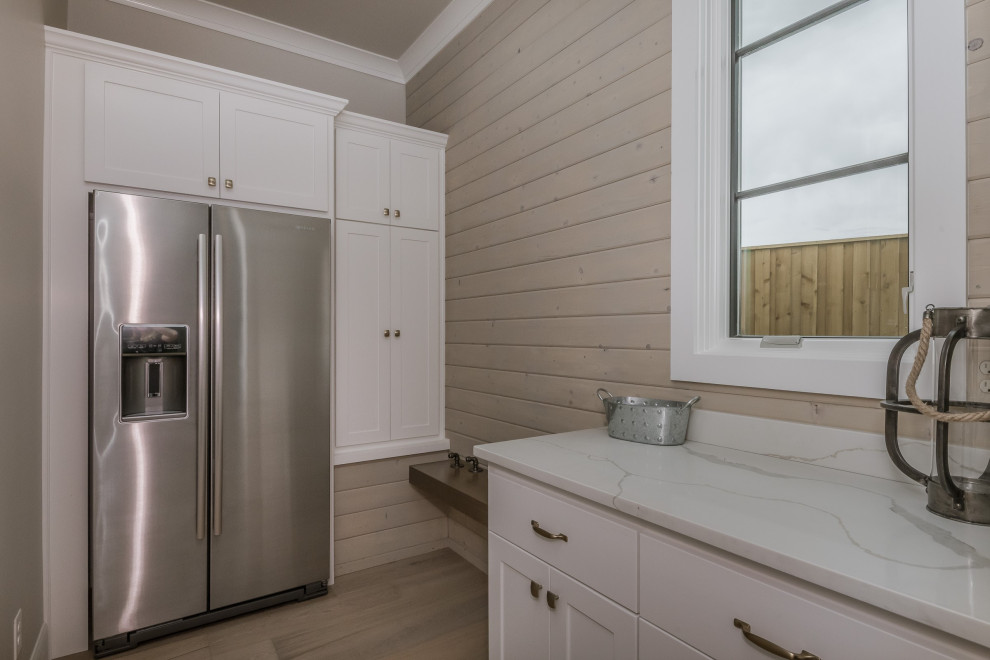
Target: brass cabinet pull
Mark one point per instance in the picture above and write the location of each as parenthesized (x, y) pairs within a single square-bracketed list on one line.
[(211, 181), (552, 599), (547, 535), (396, 214), (388, 334), (386, 212), (767, 645), (534, 589), (397, 333), (228, 184)]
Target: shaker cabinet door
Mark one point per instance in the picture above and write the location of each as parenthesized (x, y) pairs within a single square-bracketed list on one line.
[(415, 185), (272, 153), (362, 390), (148, 131), (584, 625), (415, 316), (362, 176), (518, 616)]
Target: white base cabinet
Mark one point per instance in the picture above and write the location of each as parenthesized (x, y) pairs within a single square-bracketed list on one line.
[(685, 601), (540, 613)]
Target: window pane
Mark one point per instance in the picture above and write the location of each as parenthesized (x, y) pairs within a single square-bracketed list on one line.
[(827, 259), (827, 97), (760, 18)]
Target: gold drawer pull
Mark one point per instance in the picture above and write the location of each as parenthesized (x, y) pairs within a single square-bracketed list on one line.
[(534, 589), (767, 645), (552, 599), (547, 535)]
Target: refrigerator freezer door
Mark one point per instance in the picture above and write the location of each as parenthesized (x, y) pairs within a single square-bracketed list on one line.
[(147, 564), (272, 510)]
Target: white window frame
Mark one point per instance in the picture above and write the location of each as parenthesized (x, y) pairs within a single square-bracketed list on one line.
[(701, 348)]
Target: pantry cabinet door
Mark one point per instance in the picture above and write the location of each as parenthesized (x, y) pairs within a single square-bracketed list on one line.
[(584, 625), (415, 314), (273, 153), (362, 318), (149, 131), (362, 176), (415, 185), (518, 626)]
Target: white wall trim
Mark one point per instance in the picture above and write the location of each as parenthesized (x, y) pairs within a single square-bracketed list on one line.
[(702, 351), (40, 651), (238, 24), (454, 18)]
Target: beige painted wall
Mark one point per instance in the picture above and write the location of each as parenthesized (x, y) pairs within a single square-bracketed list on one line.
[(367, 94), (558, 218), (21, 136)]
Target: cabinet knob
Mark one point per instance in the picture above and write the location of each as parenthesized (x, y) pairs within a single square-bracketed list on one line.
[(534, 588), (397, 334), (552, 599), (228, 184), (397, 214), (211, 181), (386, 212), (388, 334)]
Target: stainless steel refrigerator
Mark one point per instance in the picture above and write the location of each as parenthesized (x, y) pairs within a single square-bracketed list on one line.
[(209, 413)]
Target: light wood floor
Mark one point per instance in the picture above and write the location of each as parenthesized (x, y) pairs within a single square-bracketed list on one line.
[(430, 607)]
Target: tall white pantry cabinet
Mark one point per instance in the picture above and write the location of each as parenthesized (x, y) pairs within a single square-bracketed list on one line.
[(389, 266)]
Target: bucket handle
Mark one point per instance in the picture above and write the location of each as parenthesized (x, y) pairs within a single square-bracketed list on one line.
[(691, 402), (608, 395)]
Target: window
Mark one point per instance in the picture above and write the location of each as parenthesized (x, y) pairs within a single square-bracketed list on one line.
[(887, 131)]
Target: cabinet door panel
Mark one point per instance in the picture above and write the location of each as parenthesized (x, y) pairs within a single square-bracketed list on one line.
[(273, 153), (415, 185), (587, 626), (518, 623), (362, 350), (415, 315), (362, 176), (148, 131)]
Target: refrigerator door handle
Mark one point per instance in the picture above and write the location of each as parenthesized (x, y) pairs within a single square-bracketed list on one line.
[(217, 381), (203, 366)]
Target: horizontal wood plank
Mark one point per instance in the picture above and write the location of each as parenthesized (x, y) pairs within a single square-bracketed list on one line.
[(644, 296), (635, 331), (635, 262), (382, 518), (373, 497), (370, 473)]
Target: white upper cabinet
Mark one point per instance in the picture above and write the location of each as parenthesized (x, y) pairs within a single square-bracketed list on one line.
[(362, 176), (273, 153), (159, 132), (148, 131), (388, 173), (414, 185)]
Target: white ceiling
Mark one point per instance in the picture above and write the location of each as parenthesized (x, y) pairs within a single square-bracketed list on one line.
[(385, 27)]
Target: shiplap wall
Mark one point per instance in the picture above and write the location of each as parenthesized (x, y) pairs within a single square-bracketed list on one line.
[(558, 217), (379, 517)]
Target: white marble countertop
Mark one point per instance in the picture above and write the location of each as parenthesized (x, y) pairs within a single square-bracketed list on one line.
[(862, 536)]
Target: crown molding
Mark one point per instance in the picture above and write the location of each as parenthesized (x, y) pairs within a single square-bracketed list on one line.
[(384, 127), (238, 24), (454, 18)]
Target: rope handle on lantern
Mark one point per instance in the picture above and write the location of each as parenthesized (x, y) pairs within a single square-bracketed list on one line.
[(927, 323)]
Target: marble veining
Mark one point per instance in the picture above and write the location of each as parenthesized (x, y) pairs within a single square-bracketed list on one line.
[(866, 537)]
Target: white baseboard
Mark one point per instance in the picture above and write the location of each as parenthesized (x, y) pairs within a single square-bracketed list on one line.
[(40, 651)]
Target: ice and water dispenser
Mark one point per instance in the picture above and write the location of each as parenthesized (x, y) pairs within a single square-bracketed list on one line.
[(152, 371)]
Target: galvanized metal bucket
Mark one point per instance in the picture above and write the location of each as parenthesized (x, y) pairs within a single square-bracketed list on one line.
[(649, 421)]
